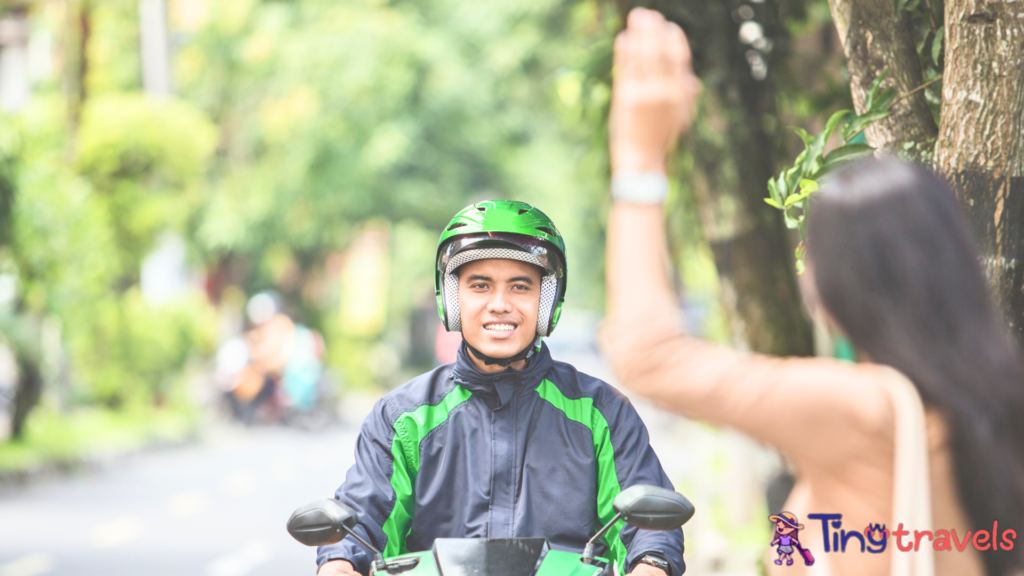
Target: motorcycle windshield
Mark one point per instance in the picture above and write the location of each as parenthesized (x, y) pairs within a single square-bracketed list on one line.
[(491, 557)]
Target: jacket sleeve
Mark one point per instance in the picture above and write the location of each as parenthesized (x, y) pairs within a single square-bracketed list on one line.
[(636, 463), (369, 489)]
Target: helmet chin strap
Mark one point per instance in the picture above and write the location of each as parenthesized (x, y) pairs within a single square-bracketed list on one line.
[(523, 354)]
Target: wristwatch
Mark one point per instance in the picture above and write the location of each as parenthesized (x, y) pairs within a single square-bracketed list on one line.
[(640, 187), (656, 561)]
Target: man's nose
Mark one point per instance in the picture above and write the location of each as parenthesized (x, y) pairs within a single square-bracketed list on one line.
[(499, 302)]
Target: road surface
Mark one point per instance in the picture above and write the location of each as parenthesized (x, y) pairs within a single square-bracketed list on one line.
[(215, 509)]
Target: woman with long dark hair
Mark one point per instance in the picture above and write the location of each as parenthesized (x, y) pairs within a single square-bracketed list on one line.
[(894, 269)]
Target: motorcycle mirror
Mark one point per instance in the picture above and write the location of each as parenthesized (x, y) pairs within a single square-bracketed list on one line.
[(328, 521), (322, 522), (653, 508), (647, 508)]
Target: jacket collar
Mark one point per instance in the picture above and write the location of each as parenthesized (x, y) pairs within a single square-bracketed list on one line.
[(496, 386)]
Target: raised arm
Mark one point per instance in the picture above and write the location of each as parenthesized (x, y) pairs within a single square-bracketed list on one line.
[(654, 98), (653, 103)]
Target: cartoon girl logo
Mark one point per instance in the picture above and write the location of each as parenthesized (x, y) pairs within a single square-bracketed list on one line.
[(787, 539)]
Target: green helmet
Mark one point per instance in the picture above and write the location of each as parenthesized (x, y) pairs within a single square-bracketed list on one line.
[(501, 229)]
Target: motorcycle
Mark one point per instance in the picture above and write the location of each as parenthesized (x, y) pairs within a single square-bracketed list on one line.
[(328, 521)]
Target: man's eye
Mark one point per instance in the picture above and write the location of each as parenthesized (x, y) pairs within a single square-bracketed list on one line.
[(521, 287)]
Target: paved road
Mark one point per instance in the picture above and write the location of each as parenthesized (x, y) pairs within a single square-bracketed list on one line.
[(216, 509)]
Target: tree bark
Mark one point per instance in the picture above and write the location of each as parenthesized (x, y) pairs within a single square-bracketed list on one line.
[(981, 144), (27, 393), (874, 40), (734, 150), (76, 62)]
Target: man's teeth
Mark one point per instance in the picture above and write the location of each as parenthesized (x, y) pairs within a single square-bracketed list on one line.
[(501, 327)]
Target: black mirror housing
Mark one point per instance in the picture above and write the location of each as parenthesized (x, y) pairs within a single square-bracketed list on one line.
[(653, 508), (322, 522)]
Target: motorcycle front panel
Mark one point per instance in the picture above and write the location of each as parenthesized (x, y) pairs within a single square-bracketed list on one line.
[(558, 563), (491, 557)]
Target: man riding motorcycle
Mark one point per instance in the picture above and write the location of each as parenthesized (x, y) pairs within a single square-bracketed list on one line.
[(505, 442)]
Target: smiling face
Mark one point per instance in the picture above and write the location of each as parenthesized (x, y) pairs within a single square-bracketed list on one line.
[(499, 301)]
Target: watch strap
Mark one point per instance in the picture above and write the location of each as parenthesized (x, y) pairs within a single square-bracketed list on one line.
[(640, 187)]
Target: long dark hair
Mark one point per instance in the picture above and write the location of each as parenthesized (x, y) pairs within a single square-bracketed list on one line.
[(896, 267)]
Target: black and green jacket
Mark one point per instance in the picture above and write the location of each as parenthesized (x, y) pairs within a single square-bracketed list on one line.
[(541, 452)]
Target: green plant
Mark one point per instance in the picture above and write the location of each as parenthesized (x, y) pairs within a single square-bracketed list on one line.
[(790, 191)]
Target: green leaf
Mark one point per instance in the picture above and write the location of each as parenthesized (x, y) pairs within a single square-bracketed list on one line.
[(791, 222), (921, 36), (800, 249), (802, 134), (863, 121), (884, 100), (773, 191), (780, 185), (873, 88), (773, 203), (812, 162), (833, 121), (792, 181), (807, 187), (796, 198), (800, 267), (848, 153), (937, 44)]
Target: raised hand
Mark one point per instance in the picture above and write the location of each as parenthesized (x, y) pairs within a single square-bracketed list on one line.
[(654, 92)]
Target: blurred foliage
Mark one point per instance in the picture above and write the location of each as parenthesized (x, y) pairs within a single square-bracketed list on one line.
[(298, 126), (58, 437), (295, 128), (335, 115)]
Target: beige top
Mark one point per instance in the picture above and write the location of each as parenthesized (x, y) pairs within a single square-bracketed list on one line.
[(831, 419)]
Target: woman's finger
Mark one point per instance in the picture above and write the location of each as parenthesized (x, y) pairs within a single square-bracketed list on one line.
[(645, 28)]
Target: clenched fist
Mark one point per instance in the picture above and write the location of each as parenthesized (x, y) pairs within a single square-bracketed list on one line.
[(654, 93)]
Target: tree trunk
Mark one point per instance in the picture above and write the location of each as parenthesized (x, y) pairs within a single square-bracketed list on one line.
[(27, 393), (734, 151), (981, 145), (874, 40), (76, 62)]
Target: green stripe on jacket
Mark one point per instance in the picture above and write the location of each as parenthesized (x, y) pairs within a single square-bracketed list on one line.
[(410, 430), (584, 412)]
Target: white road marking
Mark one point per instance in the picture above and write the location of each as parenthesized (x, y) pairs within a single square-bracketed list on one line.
[(241, 562), (116, 532), (240, 483), (31, 565), (188, 503)]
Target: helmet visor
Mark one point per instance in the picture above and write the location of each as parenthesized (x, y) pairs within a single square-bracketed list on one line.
[(545, 252)]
